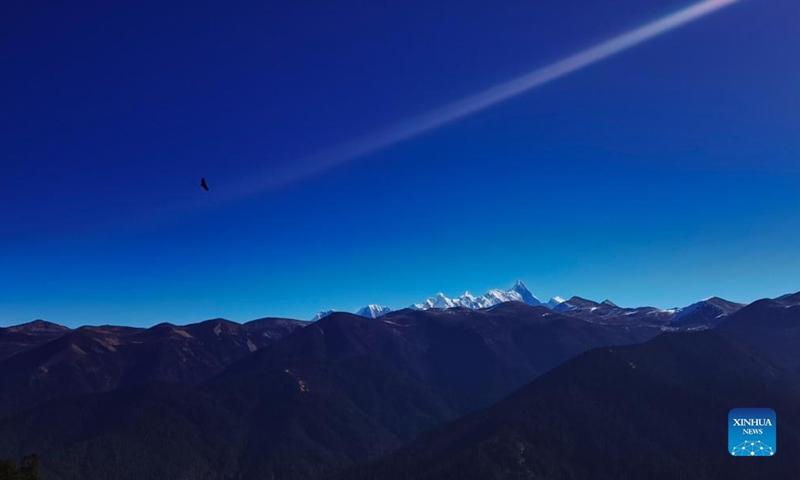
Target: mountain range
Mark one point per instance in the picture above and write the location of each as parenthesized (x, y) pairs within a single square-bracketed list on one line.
[(520, 293), (513, 390), (517, 293), (656, 408), (45, 361)]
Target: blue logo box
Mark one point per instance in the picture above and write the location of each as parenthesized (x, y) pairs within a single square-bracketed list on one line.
[(752, 432)]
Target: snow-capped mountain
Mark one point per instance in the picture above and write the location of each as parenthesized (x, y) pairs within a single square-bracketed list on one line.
[(373, 311), (710, 311), (554, 302), (322, 314), (518, 293), (701, 315), (525, 294), (576, 302), (439, 301)]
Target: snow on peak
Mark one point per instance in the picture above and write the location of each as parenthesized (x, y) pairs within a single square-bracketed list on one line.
[(323, 314), (555, 301), (469, 300), (525, 294), (518, 293), (713, 307), (495, 296), (438, 301), (373, 311)]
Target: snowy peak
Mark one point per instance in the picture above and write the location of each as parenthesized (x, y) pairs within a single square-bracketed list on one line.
[(469, 300), (494, 297), (322, 314), (554, 302), (710, 311), (373, 311), (704, 314), (518, 293), (726, 305), (524, 293), (437, 301)]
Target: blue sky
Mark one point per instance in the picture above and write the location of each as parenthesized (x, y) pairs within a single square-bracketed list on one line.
[(661, 176)]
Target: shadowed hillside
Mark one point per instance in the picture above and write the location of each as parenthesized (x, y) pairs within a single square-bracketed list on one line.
[(343, 390), (656, 410)]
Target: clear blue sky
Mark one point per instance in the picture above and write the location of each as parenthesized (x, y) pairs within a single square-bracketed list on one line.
[(660, 176)]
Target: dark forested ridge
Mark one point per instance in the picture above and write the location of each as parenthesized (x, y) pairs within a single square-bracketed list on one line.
[(343, 390), (100, 359), (23, 337), (656, 410), (347, 391)]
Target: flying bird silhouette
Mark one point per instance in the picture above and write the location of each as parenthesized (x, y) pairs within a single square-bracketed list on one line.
[(204, 184)]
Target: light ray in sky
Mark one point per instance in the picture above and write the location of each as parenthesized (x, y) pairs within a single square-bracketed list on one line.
[(474, 103)]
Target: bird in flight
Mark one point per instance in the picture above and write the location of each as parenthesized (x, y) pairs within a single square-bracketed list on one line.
[(204, 184)]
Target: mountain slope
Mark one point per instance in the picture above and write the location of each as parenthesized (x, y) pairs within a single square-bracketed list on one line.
[(472, 357), (17, 339), (341, 391), (617, 413), (657, 409), (769, 327), (98, 359), (706, 313), (347, 390)]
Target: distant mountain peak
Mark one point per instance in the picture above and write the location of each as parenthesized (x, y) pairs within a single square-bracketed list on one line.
[(709, 311), (576, 302), (518, 293), (373, 311), (322, 314), (555, 301), (526, 294), (790, 299), (38, 326), (437, 301)]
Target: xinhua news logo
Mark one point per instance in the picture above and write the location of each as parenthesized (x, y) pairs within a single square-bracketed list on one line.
[(752, 432)]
